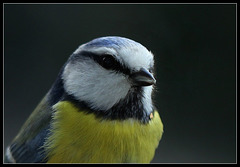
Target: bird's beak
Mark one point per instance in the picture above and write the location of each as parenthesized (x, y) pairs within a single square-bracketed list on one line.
[(142, 78)]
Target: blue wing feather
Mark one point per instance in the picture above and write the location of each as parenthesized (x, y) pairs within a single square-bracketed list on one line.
[(27, 147), (30, 151)]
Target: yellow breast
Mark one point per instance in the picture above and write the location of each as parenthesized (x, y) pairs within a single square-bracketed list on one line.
[(78, 137)]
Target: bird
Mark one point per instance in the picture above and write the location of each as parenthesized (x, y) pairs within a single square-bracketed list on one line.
[(98, 110)]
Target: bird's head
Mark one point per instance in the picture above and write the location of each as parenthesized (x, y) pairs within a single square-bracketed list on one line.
[(110, 70)]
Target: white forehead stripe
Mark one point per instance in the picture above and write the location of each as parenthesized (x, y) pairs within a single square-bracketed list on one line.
[(136, 57)]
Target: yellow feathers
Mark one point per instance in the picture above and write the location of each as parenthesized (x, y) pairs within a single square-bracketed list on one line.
[(77, 137)]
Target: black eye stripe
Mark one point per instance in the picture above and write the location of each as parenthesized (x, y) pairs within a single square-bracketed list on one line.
[(107, 61)]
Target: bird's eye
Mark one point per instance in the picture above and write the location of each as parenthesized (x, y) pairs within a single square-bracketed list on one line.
[(107, 61)]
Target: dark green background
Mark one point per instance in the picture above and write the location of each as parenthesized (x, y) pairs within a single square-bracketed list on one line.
[(195, 56)]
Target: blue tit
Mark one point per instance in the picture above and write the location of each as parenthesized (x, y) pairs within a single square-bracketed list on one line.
[(98, 110)]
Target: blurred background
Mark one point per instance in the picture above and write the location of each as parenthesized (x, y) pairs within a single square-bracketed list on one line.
[(195, 60)]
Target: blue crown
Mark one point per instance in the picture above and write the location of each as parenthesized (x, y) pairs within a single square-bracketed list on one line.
[(111, 41)]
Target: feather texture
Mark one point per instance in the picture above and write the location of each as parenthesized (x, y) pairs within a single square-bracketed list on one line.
[(27, 146), (77, 137)]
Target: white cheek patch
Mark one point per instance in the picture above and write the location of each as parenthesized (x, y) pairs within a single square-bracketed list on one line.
[(89, 82)]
